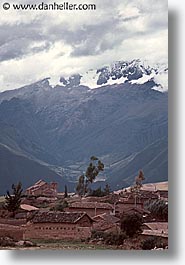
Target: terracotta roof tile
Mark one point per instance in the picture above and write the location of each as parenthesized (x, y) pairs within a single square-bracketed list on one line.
[(157, 225), (136, 210), (40, 183), (106, 217), (103, 225), (58, 217), (91, 205)]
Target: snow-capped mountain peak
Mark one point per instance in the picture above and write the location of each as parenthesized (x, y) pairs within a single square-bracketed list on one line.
[(135, 72)]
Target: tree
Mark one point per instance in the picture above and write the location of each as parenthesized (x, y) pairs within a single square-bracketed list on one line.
[(135, 189), (139, 179), (159, 210), (13, 201), (65, 192), (92, 171), (80, 189), (149, 243), (138, 182), (107, 189), (131, 224), (60, 206), (97, 192)]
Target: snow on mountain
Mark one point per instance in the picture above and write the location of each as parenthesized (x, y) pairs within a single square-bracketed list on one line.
[(135, 72), (91, 77)]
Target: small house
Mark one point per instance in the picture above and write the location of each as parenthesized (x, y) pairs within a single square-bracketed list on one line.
[(58, 225), (42, 188), (91, 208)]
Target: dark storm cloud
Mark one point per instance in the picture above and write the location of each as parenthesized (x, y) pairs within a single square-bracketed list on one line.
[(13, 49), (76, 42), (86, 40), (89, 39), (92, 39), (101, 37), (11, 32), (16, 40)]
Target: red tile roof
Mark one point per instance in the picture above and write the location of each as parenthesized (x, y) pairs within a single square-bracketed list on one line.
[(135, 209), (157, 226), (103, 225), (91, 205), (106, 217), (40, 183), (58, 217), (37, 185)]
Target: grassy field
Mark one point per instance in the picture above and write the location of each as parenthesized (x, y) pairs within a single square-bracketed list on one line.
[(70, 245), (129, 244)]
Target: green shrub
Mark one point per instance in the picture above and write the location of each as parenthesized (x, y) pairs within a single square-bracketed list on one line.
[(151, 243), (131, 224), (60, 206), (158, 209), (114, 238), (97, 234), (6, 242), (109, 238)]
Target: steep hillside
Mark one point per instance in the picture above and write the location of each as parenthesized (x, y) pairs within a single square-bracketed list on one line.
[(15, 167), (153, 160), (61, 127)]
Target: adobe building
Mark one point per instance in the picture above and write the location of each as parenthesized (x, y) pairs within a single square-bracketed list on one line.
[(125, 204), (91, 208), (106, 223), (42, 188), (12, 231), (155, 229), (58, 225)]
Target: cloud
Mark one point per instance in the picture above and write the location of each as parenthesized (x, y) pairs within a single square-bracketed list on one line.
[(17, 40), (43, 43)]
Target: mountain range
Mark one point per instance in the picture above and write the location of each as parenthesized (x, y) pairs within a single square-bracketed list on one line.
[(118, 113)]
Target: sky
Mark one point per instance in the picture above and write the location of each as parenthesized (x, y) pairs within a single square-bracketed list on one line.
[(39, 44)]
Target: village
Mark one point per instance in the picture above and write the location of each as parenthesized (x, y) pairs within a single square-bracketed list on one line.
[(123, 219)]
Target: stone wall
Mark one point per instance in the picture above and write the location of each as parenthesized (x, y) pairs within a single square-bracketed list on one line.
[(11, 231), (12, 221), (90, 211), (56, 231), (120, 207)]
